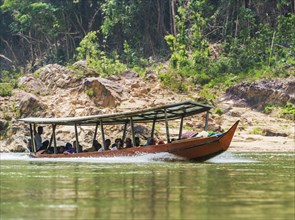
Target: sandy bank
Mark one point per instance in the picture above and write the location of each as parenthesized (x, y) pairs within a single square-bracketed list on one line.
[(258, 143)]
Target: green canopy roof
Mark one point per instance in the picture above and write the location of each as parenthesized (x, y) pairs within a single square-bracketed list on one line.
[(174, 111)]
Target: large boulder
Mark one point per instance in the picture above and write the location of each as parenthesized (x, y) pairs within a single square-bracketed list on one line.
[(258, 94), (32, 85), (28, 104), (104, 92), (57, 76), (14, 144)]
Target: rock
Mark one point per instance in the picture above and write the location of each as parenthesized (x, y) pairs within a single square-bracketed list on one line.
[(28, 104), (128, 74), (57, 76), (82, 66), (32, 85), (105, 92), (258, 94), (141, 92), (269, 132), (15, 144), (151, 75), (3, 125)]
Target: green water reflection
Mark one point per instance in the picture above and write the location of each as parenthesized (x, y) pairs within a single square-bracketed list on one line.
[(168, 190)]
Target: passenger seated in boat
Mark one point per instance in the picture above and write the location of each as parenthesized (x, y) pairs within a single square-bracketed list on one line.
[(107, 143), (38, 140), (61, 149), (150, 141), (80, 148), (136, 142), (95, 147), (119, 142), (128, 143), (68, 146), (114, 147), (70, 149)]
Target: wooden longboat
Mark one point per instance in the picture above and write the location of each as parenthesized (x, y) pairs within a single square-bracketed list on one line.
[(198, 149)]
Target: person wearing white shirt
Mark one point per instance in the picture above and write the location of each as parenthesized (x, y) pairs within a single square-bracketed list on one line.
[(38, 140)]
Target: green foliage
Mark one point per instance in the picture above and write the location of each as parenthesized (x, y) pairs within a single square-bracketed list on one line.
[(140, 70), (174, 81), (97, 59), (5, 89), (289, 110), (190, 54), (207, 94), (268, 108), (88, 47), (254, 43), (15, 110), (218, 111), (89, 92), (36, 23), (106, 66), (8, 82), (257, 130)]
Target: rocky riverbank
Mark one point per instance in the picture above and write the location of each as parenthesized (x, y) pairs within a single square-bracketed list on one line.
[(57, 91)]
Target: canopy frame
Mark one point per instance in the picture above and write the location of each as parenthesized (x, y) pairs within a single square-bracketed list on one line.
[(151, 115)]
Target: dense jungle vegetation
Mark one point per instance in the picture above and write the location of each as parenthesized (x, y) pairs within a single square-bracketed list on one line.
[(204, 41)]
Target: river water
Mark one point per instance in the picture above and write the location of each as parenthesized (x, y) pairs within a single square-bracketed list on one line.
[(230, 186)]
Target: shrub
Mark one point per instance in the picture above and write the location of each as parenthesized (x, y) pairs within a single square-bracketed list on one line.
[(5, 89), (89, 92), (207, 94), (268, 108), (174, 81), (289, 110), (257, 130), (218, 111)]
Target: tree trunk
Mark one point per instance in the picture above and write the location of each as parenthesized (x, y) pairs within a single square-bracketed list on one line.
[(172, 20)]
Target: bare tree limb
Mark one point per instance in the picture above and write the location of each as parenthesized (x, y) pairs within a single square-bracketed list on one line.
[(4, 57)]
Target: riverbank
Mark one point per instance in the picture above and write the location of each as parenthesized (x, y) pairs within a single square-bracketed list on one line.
[(258, 132), (59, 92)]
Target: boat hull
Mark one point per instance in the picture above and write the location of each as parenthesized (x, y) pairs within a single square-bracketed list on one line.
[(198, 149)]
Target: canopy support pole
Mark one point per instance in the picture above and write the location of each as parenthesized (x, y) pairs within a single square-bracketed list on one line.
[(153, 128), (34, 129), (206, 122), (95, 132), (167, 127), (102, 135), (124, 133), (132, 130), (51, 139), (180, 129), (32, 139), (77, 141), (54, 138)]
